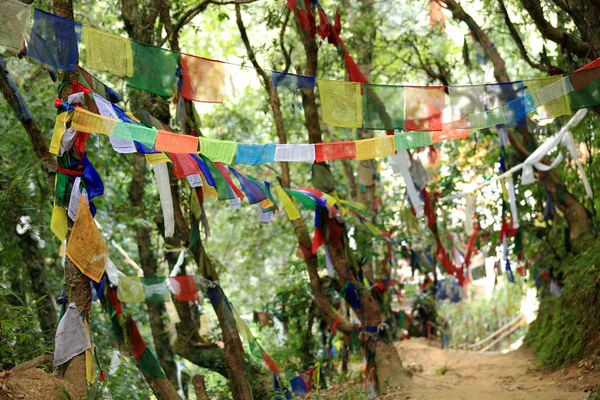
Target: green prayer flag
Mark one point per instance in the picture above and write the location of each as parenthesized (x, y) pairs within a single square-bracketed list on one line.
[(149, 364), (224, 191), (307, 202), (154, 69)]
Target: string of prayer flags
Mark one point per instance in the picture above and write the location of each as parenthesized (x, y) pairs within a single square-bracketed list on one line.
[(154, 69), (383, 107), (218, 150), (341, 103), (203, 79), (292, 82), (425, 109), (254, 154), (14, 20), (295, 152), (86, 248), (71, 338), (334, 151), (88, 122), (554, 108), (107, 52), (411, 140), (126, 327), (176, 143), (54, 41), (367, 149)]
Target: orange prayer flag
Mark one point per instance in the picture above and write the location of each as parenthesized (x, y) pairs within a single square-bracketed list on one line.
[(203, 79), (176, 143)]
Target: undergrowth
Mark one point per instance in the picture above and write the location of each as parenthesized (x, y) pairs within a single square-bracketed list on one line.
[(567, 328)]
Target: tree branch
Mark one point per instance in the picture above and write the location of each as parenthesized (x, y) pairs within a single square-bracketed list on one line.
[(548, 31), (287, 54), (517, 38)]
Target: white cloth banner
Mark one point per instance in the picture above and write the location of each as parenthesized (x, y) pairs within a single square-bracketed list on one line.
[(400, 163), (161, 173), (295, 152), (74, 199), (71, 337)]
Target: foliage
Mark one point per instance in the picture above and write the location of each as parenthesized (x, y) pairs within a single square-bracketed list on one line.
[(568, 327), (20, 337)]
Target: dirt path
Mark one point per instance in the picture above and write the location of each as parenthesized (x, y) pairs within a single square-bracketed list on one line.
[(477, 376)]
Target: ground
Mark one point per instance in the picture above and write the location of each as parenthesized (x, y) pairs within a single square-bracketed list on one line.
[(483, 376)]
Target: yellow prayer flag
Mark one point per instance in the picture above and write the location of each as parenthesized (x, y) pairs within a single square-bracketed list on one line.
[(59, 224), (157, 158), (374, 230), (131, 289), (341, 103), (266, 203), (288, 205), (85, 247), (554, 108), (60, 126), (368, 149), (207, 190), (107, 52), (90, 372), (85, 121)]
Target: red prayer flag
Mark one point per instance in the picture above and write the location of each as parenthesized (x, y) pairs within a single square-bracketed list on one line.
[(184, 165), (334, 151), (185, 288), (138, 345), (424, 108)]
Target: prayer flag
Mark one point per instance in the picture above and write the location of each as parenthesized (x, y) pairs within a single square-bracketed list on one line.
[(497, 95), (334, 151), (155, 289), (383, 107), (341, 103), (253, 192), (288, 205), (448, 132), (424, 108), (254, 154), (411, 140), (154, 69), (367, 149), (88, 122), (137, 133), (130, 289), (184, 288), (586, 88), (176, 143), (107, 52), (218, 150), (60, 126), (184, 165), (203, 79), (59, 223), (14, 20), (554, 108), (85, 247), (465, 101), (292, 82), (54, 41), (156, 158), (295, 152)]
